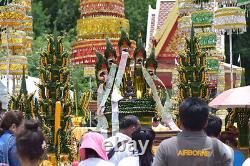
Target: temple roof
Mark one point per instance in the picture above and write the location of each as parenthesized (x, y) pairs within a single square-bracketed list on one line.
[(162, 29)]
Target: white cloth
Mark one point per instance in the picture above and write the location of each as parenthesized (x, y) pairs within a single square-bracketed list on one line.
[(246, 162), (120, 154), (95, 162), (132, 161)]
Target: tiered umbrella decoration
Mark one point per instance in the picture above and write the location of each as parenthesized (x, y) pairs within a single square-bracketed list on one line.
[(16, 65), (13, 40), (27, 5), (12, 15), (185, 7), (15, 24), (99, 20), (230, 19)]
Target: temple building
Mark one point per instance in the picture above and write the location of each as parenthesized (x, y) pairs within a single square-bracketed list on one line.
[(162, 33)]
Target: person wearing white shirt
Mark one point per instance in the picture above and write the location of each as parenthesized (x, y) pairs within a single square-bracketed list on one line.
[(118, 146), (246, 162), (143, 155)]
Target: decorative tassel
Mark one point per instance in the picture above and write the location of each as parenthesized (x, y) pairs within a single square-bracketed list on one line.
[(61, 77), (49, 45), (184, 77), (190, 92), (50, 75), (181, 62), (54, 59), (61, 48), (63, 61), (57, 119), (203, 77), (32, 109), (41, 109), (67, 61), (194, 76), (46, 61)]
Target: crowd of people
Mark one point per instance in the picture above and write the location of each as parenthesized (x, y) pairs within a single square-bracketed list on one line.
[(199, 143)]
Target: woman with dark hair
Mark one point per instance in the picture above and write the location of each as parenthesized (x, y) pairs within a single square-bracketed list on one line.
[(30, 143), (92, 151), (8, 127), (143, 137)]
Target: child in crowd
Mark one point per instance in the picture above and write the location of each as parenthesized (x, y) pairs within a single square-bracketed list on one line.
[(30, 143), (145, 137)]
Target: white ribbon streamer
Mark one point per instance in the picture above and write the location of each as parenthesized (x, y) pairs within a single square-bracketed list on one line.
[(164, 111), (116, 96)]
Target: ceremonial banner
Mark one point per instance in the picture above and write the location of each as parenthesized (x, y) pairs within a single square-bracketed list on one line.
[(102, 123), (164, 111), (116, 97), (109, 86)]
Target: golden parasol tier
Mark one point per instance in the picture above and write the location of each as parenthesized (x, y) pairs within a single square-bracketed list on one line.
[(101, 27), (27, 24), (27, 4), (12, 15), (14, 40), (229, 20), (16, 65), (28, 44)]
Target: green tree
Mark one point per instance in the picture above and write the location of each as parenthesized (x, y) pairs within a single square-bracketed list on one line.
[(136, 12), (241, 47), (67, 14), (41, 19)]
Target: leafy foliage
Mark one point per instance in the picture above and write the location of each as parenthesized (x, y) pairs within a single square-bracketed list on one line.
[(136, 11)]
